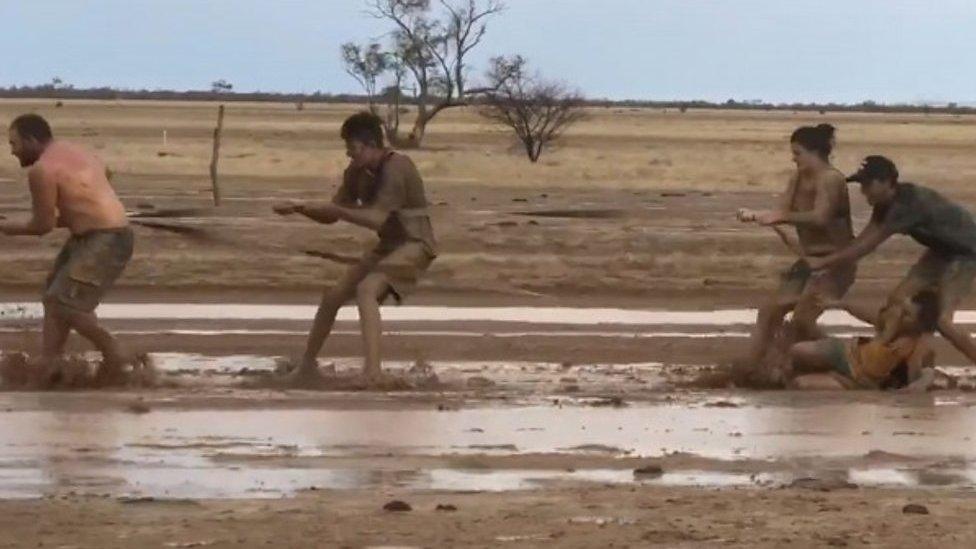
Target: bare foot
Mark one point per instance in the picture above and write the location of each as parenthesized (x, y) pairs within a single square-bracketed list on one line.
[(303, 377), (110, 374), (44, 373), (378, 380)]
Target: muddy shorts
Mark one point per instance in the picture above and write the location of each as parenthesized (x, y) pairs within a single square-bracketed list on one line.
[(951, 277), (799, 282), (403, 267), (88, 265)]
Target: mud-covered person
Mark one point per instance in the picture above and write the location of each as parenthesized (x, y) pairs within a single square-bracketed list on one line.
[(943, 227), (69, 188), (381, 191), (817, 204)]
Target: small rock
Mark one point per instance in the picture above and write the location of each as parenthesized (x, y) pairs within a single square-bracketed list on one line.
[(446, 507), (520, 200), (649, 471), (397, 506), (915, 509)]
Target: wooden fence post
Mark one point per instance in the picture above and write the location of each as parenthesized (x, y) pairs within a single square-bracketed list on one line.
[(216, 155)]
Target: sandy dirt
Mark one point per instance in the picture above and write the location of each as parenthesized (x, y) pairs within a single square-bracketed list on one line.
[(591, 516)]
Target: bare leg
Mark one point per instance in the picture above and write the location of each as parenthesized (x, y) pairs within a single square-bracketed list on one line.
[(960, 339), (87, 326), (332, 299), (811, 357), (368, 294), (768, 321), (805, 316), (56, 331)]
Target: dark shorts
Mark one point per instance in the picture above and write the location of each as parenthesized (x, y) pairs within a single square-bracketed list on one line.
[(88, 265)]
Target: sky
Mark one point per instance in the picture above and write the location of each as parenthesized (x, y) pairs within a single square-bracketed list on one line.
[(775, 50)]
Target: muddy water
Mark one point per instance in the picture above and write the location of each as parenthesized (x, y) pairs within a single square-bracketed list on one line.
[(529, 315), (93, 444)]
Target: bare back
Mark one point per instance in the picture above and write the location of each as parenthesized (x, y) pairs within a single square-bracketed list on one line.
[(86, 200), (828, 185)]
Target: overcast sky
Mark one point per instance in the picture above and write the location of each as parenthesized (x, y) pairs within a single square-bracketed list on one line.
[(776, 50)]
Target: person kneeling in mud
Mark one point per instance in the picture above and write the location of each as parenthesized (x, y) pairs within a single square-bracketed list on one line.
[(381, 191), (899, 355)]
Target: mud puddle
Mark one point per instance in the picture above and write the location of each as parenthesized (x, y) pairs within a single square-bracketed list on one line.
[(93, 444)]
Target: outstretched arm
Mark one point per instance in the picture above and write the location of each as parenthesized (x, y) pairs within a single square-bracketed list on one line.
[(870, 238)]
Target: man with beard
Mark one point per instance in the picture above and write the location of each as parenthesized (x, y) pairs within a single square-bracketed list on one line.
[(69, 188)]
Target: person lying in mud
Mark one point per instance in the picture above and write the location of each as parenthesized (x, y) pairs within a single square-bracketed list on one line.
[(900, 355), (381, 191), (816, 202), (946, 229), (69, 188)]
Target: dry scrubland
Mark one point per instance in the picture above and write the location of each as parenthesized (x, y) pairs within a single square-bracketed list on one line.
[(654, 192)]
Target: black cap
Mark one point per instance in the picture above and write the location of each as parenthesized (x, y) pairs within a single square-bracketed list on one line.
[(873, 168)]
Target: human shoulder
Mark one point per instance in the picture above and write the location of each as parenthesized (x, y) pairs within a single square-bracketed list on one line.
[(834, 178), (41, 173), (400, 162)]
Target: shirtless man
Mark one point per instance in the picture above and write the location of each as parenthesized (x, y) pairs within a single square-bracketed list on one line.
[(817, 204), (69, 189), (946, 229), (383, 192)]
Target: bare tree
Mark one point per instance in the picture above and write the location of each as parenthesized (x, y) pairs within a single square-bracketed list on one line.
[(221, 86), (366, 64), (433, 48), (538, 111)]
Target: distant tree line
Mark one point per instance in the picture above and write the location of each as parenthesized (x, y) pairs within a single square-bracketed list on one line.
[(61, 91)]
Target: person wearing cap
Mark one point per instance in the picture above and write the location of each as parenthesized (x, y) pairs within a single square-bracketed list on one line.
[(945, 228)]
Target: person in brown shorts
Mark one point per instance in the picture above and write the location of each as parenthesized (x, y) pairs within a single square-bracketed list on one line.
[(946, 229), (816, 202), (381, 191), (70, 188)]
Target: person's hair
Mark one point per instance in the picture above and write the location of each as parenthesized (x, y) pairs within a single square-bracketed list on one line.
[(880, 168), (929, 311), (364, 127), (32, 126), (819, 138)]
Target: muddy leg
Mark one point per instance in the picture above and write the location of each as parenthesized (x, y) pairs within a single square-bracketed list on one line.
[(114, 356), (805, 316), (960, 339), (768, 321), (332, 299), (811, 357), (56, 331), (369, 293)]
